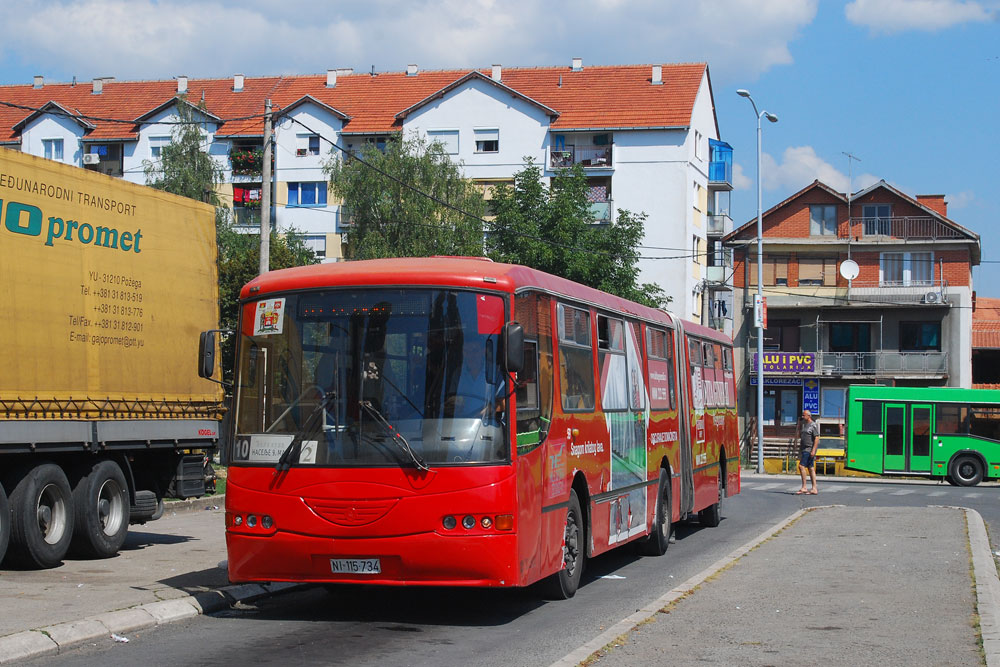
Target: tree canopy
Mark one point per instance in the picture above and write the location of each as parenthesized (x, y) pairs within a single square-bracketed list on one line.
[(408, 201), (552, 229)]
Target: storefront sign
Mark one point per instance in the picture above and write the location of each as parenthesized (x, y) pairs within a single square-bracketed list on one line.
[(777, 381), (810, 396), (787, 362)]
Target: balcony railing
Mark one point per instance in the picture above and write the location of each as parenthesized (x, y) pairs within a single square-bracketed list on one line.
[(886, 362), (719, 224), (903, 227), (587, 156), (925, 292)]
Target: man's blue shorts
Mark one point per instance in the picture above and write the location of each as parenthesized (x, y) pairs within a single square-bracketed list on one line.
[(806, 459)]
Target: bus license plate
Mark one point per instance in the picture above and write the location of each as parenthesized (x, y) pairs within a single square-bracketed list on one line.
[(356, 565)]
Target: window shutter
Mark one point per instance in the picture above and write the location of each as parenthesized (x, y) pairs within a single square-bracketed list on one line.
[(811, 269), (769, 271), (830, 271)]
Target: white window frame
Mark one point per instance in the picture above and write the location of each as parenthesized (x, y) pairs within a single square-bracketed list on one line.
[(483, 135), (317, 243), (318, 185), (822, 223), (54, 148), (156, 143), (697, 146), (907, 278), (447, 137), (304, 145)]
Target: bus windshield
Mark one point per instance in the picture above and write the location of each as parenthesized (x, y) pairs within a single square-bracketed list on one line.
[(371, 377)]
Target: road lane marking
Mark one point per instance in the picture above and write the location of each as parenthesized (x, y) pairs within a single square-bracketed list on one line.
[(935, 494), (902, 492)]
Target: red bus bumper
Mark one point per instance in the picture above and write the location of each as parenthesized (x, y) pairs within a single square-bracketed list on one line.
[(428, 559)]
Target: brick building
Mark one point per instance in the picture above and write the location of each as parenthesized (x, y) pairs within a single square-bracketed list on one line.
[(905, 317)]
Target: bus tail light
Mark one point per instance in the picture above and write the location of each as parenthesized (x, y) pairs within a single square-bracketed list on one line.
[(504, 522)]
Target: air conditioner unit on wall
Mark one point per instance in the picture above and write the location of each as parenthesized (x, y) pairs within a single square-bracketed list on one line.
[(932, 297), (91, 158)]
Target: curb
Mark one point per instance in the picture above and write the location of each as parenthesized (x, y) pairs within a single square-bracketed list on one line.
[(54, 639), (578, 655), (984, 569), (210, 502)]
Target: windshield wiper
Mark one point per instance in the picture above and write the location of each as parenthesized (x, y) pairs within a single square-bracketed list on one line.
[(292, 450), (394, 434)]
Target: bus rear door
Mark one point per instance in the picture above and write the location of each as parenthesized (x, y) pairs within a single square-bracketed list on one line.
[(907, 437)]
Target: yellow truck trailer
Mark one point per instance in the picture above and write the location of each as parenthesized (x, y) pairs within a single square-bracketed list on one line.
[(105, 286)]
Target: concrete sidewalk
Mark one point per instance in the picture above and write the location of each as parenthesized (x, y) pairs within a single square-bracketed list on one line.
[(169, 569), (834, 585)]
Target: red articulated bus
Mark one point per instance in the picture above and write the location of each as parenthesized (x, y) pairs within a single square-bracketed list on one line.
[(455, 421)]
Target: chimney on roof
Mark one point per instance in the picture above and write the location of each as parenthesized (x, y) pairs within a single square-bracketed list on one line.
[(344, 71), (577, 64), (657, 75), (935, 203), (182, 84), (39, 81), (238, 83), (331, 78), (411, 69), (98, 86), (497, 74)]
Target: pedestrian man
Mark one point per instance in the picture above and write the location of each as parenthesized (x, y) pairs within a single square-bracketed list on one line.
[(809, 440)]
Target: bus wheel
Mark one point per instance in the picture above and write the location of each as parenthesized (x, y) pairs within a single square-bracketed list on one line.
[(563, 584), (41, 516), (100, 497), (711, 516), (4, 523), (967, 470), (657, 541)]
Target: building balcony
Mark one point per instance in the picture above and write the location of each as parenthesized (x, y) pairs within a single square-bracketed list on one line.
[(719, 225), (247, 161), (601, 212), (932, 292), (903, 228), (720, 166), (885, 362), (588, 157), (247, 217)]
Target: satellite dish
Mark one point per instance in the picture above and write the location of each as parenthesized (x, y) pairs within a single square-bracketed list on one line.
[(849, 269)]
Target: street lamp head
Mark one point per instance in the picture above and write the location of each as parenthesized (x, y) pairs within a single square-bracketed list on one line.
[(771, 117), (742, 92)]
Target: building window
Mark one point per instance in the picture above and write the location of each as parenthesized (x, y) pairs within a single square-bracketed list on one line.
[(823, 220), (487, 140), (833, 402), (818, 271), (850, 337), (447, 138), (317, 244), (156, 144), (697, 145), (877, 219), (920, 336), (904, 269), (775, 270), (782, 336), (307, 194), (53, 149), (306, 144), (696, 249)]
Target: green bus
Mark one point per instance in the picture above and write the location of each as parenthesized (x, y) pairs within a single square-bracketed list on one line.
[(935, 432)]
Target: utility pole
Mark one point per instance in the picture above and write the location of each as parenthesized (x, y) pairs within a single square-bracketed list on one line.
[(265, 195)]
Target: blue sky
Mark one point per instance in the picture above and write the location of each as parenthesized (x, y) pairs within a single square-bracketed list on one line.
[(911, 87)]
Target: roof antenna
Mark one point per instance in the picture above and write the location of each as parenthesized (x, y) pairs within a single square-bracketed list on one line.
[(373, 70), (560, 80), (74, 79), (202, 95)]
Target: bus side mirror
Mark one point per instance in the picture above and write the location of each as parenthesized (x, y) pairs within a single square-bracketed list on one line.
[(514, 347), (206, 354)]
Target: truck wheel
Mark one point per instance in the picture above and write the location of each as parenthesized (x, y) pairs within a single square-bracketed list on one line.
[(657, 541), (967, 470), (41, 524), (563, 584), (100, 497), (4, 523)]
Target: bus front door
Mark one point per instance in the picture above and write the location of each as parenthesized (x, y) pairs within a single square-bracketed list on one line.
[(907, 438)]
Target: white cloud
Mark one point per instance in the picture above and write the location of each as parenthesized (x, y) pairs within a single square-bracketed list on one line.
[(891, 16), (159, 38), (800, 165), (961, 199), (740, 180)]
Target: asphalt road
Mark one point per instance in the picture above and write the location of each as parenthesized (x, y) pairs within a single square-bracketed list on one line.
[(386, 627)]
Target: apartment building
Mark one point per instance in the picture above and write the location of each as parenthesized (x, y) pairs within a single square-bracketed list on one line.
[(646, 135), (871, 288)]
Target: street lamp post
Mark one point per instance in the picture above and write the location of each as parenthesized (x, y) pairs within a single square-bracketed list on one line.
[(758, 303)]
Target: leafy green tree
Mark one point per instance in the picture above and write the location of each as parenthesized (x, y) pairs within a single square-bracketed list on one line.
[(385, 195), (184, 168), (552, 230)]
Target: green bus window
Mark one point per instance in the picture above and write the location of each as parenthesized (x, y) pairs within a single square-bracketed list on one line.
[(871, 417), (894, 431), (985, 421), (952, 419)]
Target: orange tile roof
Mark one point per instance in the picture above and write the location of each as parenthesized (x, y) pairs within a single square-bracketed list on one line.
[(604, 97), (986, 323)]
